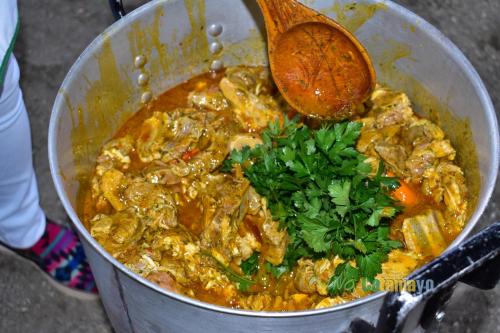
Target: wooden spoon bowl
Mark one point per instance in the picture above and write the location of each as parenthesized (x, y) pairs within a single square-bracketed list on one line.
[(320, 68)]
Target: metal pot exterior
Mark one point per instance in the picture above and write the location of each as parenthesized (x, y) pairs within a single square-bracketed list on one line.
[(168, 42)]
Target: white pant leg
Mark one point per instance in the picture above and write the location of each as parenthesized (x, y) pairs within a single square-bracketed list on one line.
[(22, 221)]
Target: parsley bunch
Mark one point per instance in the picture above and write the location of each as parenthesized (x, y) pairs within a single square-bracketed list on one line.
[(317, 186)]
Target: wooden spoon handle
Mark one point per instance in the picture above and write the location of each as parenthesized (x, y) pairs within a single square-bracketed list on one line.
[(280, 15)]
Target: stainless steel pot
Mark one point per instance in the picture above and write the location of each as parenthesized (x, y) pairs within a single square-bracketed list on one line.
[(165, 42)]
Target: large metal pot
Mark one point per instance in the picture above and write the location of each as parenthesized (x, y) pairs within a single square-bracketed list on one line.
[(170, 41)]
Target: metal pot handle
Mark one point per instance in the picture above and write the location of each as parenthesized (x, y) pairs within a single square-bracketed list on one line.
[(117, 9), (475, 262)]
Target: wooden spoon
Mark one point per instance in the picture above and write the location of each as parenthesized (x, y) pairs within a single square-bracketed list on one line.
[(320, 68)]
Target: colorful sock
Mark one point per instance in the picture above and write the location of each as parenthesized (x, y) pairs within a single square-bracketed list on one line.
[(60, 254)]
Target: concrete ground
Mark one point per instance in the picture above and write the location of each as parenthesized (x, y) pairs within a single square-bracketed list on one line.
[(52, 36)]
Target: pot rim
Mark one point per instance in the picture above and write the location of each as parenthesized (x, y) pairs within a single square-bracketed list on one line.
[(454, 54)]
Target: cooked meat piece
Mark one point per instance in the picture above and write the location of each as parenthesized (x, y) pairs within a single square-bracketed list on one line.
[(239, 141), (442, 148), (151, 139), (367, 140), (212, 100), (225, 203), (423, 234), (305, 279), (256, 80), (118, 232), (274, 240), (153, 203), (313, 276), (164, 280), (198, 145), (419, 161), (390, 107), (394, 155), (259, 302), (112, 183), (399, 265), (446, 183), (246, 245), (115, 155), (422, 131), (168, 135), (253, 111), (254, 201)]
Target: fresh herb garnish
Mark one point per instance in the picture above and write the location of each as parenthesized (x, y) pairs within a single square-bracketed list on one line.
[(318, 186), (251, 265)]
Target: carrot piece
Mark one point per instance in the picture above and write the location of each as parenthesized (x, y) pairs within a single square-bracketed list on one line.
[(405, 193), (190, 154)]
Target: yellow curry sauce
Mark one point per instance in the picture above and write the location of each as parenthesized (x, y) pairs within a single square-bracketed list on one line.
[(158, 202)]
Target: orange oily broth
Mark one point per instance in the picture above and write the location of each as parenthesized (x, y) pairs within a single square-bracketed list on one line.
[(190, 211)]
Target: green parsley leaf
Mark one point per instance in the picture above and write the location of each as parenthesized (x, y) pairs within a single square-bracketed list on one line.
[(345, 278), (313, 232), (370, 265), (277, 270), (251, 265)]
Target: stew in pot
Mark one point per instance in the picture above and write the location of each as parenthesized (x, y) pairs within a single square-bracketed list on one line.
[(217, 190)]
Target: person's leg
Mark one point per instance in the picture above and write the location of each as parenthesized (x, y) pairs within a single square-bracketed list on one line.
[(22, 221), (24, 228)]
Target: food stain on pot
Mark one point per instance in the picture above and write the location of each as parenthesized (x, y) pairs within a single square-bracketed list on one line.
[(105, 108), (353, 15), (252, 50), (196, 42), (142, 40), (164, 58)]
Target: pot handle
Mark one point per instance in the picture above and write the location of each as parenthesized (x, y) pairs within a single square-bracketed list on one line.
[(476, 262), (117, 9)]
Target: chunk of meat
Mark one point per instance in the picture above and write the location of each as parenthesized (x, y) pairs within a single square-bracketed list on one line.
[(246, 245), (394, 155), (253, 109), (305, 279), (313, 276), (239, 141), (167, 135), (367, 141), (115, 155), (274, 239), (423, 233), (446, 183), (208, 99), (422, 131), (390, 107), (398, 265), (164, 280), (118, 232), (152, 203), (256, 80), (419, 161), (112, 184), (225, 204), (151, 139), (205, 132)]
